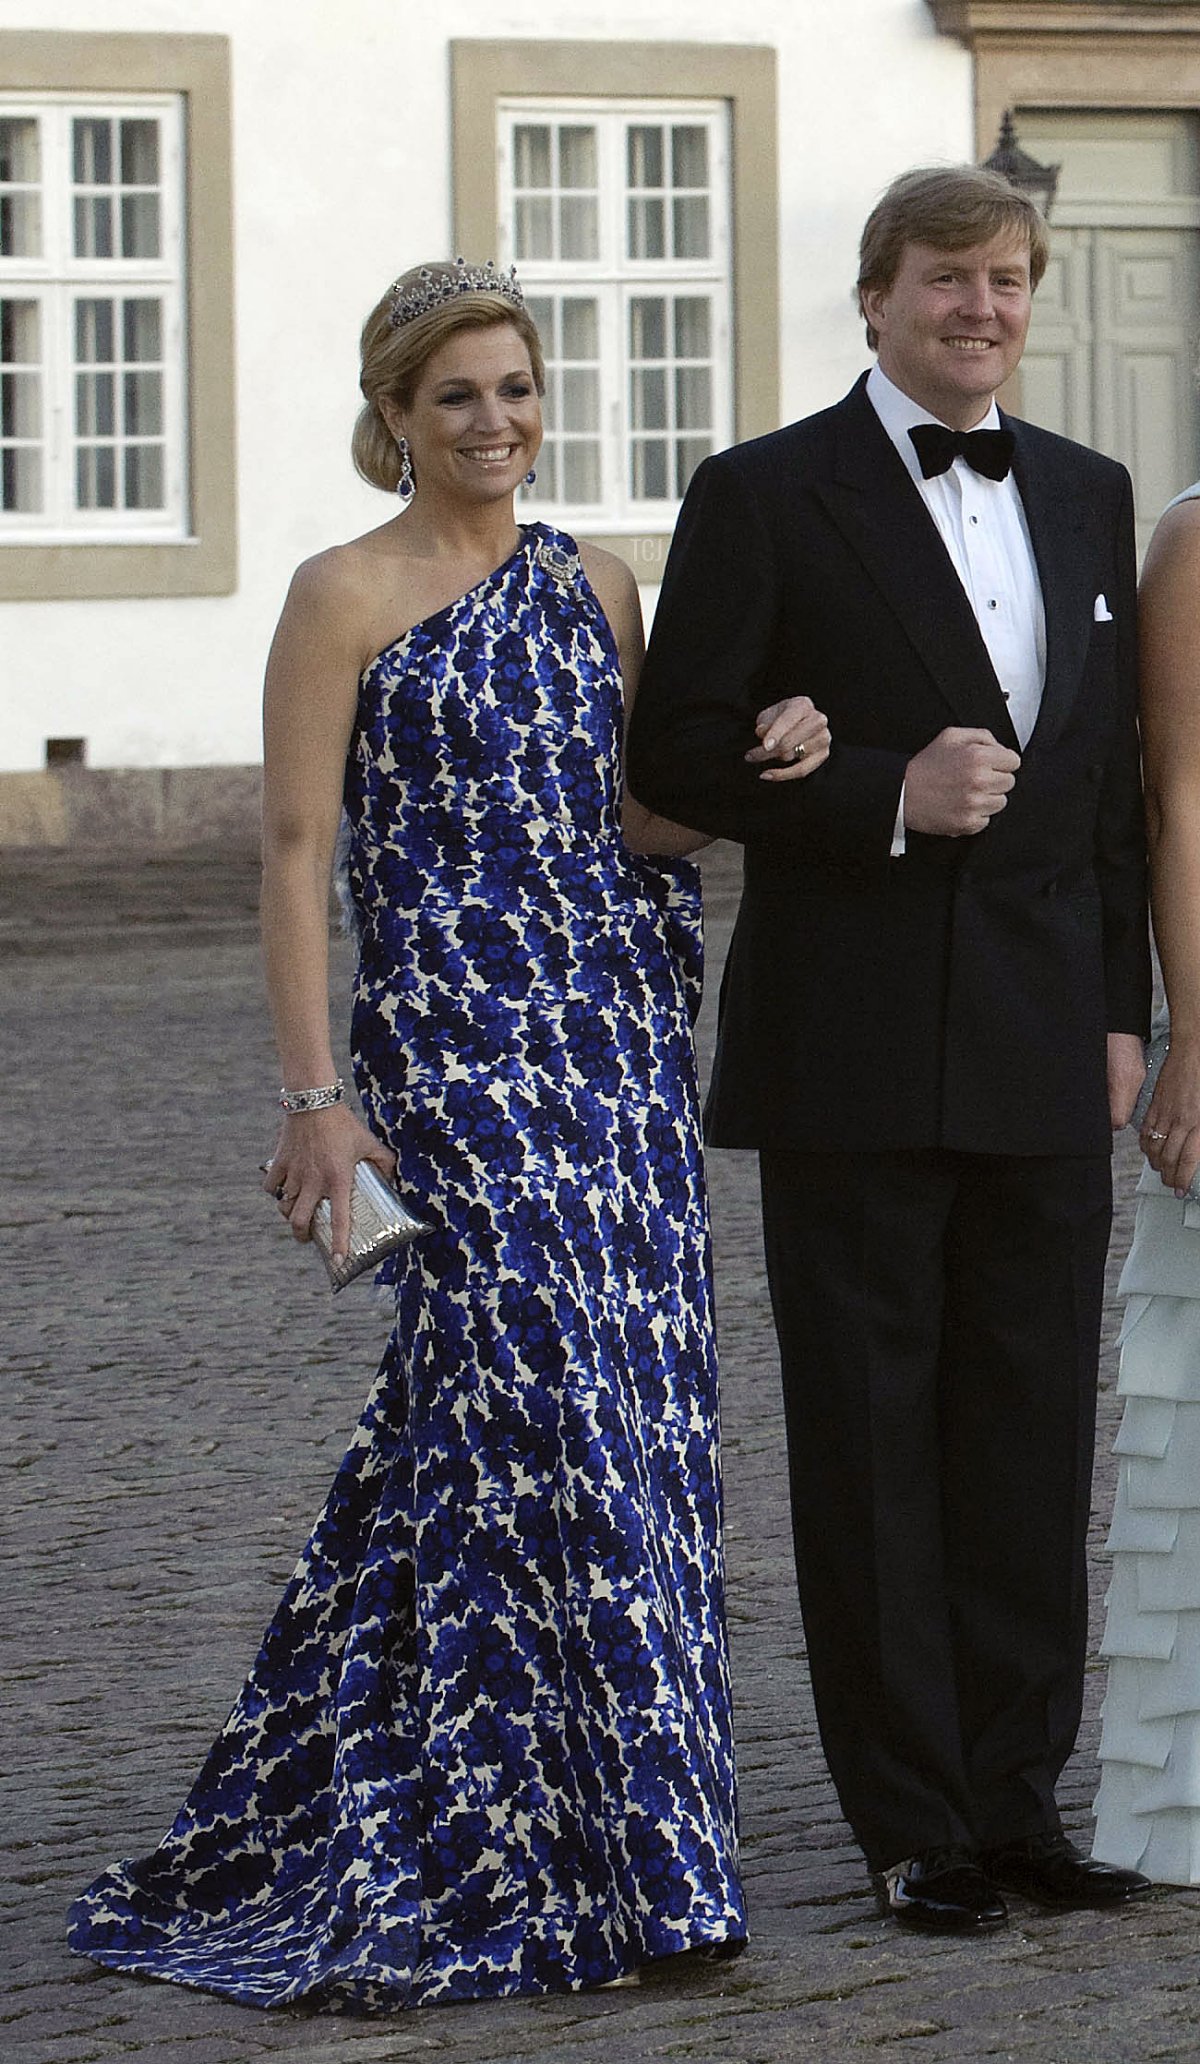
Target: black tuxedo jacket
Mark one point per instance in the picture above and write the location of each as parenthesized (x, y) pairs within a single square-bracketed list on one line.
[(958, 996)]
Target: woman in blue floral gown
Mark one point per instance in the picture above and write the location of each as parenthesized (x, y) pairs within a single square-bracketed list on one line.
[(486, 1745)]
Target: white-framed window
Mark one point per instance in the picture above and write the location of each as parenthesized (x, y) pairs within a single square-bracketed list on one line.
[(617, 216), (92, 344)]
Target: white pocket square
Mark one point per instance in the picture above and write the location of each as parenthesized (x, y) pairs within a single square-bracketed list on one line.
[(1102, 613)]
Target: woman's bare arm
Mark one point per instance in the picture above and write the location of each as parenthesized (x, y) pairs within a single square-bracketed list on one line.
[(308, 716)]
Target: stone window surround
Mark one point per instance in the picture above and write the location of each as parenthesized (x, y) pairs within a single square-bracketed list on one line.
[(198, 68), (485, 72)]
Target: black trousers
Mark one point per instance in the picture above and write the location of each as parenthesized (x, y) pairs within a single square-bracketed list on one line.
[(938, 1318)]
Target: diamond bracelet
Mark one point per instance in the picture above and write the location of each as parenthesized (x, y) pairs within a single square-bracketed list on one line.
[(294, 1100)]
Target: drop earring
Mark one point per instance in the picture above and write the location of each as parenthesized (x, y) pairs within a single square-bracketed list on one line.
[(406, 486)]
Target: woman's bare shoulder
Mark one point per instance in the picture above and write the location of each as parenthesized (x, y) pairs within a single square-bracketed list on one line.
[(342, 575), (1176, 540), (608, 574), (615, 589)]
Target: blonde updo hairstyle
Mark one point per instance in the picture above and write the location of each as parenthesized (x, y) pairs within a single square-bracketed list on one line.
[(392, 360)]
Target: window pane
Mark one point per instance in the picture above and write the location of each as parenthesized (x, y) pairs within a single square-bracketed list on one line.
[(93, 152), (541, 312), (581, 470), (644, 156), (144, 476), (647, 328), (95, 405), (531, 155), (690, 224), (577, 157), (693, 398), (95, 477), (648, 471), (142, 328), (20, 156), (20, 212), (94, 333), (646, 224), (143, 405), (139, 153), (140, 237), (534, 228), (688, 454), (580, 329), (20, 333), (21, 481), (689, 156), (648, 399), (21, 488), (692, 327), (580, 400), (20, 225), (579, 229), (93, 227), (20, 405)]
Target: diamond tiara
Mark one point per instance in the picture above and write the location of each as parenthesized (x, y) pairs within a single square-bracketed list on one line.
[(434, 289)]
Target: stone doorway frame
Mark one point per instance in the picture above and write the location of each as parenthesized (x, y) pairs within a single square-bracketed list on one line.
[(1080, 56), (1075, 54)]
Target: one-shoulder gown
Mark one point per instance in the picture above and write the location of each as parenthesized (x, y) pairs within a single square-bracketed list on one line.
[(486, 1746)]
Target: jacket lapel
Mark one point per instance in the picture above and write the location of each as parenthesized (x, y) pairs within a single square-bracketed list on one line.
[(1057, 514), (873, 501)]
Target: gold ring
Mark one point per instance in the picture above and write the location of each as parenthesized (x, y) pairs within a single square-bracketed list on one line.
[(798, 752)]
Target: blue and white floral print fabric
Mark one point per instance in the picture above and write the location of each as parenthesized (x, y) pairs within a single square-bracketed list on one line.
[(486, 1745)]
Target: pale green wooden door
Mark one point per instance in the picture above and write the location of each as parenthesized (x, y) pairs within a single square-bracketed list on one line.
[(1112, 346)]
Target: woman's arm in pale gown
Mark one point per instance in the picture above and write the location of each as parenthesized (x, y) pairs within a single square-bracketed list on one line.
[(1169, 625)]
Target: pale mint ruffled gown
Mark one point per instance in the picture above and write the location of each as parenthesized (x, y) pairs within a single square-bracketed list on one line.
[(1148, 1806)]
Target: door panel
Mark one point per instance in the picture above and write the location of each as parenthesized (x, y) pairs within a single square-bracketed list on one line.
[(1112, 344), (1146, 284), (1056, 371)]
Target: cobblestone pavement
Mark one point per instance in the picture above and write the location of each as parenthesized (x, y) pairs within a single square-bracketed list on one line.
[(179, 1390)]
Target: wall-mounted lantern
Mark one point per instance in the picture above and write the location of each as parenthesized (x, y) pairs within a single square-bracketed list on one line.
[(1040, 182)]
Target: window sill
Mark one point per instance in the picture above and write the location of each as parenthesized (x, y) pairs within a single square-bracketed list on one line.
[(78, 571)]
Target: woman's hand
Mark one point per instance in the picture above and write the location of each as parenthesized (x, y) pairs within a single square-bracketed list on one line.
[(316, 1157), (794, 733), (1170, 1134)]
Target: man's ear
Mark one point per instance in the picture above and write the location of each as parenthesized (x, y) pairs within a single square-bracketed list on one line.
[(872, 301)]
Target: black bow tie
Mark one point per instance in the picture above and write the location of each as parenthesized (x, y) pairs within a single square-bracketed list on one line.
[(985, 451)]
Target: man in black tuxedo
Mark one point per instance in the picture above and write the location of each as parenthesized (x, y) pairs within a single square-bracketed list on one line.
[(932, 1013)]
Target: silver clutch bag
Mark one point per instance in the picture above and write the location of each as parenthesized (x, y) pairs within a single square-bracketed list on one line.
[(380, 1222)]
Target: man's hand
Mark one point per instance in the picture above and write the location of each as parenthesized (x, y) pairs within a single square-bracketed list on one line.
[(1126, 1074), (958, 783)]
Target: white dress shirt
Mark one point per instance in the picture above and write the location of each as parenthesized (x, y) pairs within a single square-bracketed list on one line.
[(982, 524)]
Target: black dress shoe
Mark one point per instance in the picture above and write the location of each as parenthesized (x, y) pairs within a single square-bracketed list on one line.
[(944, 1889), (1048, 1869)]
